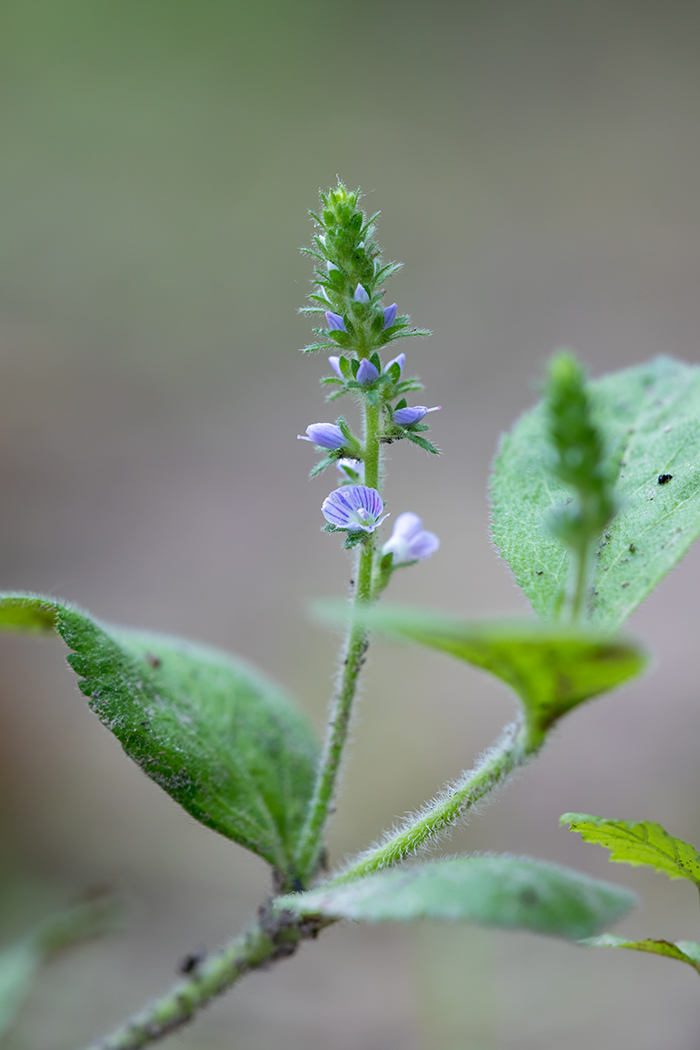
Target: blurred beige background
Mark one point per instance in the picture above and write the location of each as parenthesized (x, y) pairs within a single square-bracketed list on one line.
[(536, 164)]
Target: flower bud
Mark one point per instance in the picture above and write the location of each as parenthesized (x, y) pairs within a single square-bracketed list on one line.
[(406, 417), (335, 322), (367, 373), (361, 295), (327, 435), (389, 315), (400, 361), (334, 362)]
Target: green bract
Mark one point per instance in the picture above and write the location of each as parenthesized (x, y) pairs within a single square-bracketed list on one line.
[(649, 417), (223, 741), (551, 670), (641, 843), (510, 892)]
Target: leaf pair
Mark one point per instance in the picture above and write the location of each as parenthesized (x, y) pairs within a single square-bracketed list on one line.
[(643, 844), (221, 740)]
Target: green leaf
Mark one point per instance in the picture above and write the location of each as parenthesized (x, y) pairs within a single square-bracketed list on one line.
[(649, 418), (223, 741), (509, 892), (21, 962), (552, 670), (638, 844), (684, 951)]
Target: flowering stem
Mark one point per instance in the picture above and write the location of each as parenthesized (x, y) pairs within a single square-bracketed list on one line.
[(514, 750), (353, 654)]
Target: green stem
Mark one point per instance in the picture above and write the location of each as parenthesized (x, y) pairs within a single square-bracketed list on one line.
[(310, 840), (497, 765), (276, 935)]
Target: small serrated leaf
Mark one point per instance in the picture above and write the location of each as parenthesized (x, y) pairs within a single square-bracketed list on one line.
[(641, 843), (649, 418), (503, 891), (218, 737), (551, 670), (684, 951)]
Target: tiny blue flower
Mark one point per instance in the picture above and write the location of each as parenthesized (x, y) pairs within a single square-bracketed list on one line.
[(361, 295), (354, 508), (389, 315), (400, 361), (406, 417), (334, 362), (335, 321), (410, 541), (367, 372), (322, 239), (331, 266), (327, 435)]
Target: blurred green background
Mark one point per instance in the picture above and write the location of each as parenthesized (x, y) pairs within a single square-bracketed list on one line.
[(536, 163)]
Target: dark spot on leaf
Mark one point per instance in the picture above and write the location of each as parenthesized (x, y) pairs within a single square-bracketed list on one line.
[(539, 572), (632, 548), (625, 584), (528, 896), (665, 478), (154, 661)]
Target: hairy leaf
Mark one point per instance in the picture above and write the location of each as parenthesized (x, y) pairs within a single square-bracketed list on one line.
[(649, 417), (510, 892), (223, 741), (638, 844), (552, 670), (684, 951)]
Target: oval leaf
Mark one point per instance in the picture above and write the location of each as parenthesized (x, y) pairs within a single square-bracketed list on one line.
[(509, 892), (551, 670), (684, 951), (639, 844), (649, 417), (224, 742)]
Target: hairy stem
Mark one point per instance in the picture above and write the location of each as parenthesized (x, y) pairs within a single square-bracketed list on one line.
[(310, 841), (276, 935), (511, 752)]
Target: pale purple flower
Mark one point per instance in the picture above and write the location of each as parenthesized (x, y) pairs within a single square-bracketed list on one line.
[(409, 541), (331, 266), (367, 372), (406, 417), (335, 321), (327, 435), (361, 295), (354, 508), (334, 362), (389, 315), (400, 361)]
